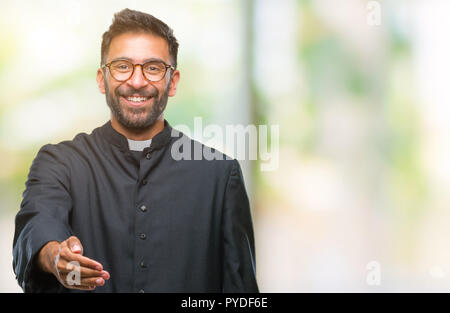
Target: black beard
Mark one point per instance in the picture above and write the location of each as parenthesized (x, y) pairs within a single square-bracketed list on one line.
[(125, 118)]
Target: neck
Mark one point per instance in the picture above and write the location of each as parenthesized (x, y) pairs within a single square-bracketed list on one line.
[(139, 134)]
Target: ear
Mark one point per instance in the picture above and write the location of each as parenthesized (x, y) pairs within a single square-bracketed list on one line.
[(101, 81), (173, 83)]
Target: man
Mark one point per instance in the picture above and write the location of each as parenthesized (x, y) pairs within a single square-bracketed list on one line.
[(117, 210)]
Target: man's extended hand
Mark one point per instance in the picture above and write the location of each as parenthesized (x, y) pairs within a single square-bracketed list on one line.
[(61, 259)]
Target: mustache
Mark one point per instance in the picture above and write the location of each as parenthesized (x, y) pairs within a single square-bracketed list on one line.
[(129, 92)]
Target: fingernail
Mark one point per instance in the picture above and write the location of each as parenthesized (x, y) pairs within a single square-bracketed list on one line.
[(76, 248), (99, 281), (105, 275)]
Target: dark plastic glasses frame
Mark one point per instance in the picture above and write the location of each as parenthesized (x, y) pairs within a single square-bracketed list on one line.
[(108, 65)]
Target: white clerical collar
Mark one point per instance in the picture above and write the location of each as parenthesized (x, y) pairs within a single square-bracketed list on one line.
[(139, 145)]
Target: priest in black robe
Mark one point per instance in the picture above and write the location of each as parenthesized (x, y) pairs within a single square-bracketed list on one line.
[(135, 206)]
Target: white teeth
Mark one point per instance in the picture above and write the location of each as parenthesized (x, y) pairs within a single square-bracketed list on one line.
[(137, 99)]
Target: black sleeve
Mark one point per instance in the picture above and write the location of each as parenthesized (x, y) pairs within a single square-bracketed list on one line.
[(239, 269), (43, 217)]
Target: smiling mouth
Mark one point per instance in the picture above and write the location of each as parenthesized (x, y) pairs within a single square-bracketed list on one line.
[(136, 100)]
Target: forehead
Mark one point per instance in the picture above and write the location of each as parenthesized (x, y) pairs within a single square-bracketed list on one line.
[(138, 47)]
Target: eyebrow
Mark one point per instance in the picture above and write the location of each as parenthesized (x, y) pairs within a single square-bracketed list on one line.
[(145, 61)]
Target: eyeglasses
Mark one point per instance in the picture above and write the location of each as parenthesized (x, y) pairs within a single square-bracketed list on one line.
[(153, 71)]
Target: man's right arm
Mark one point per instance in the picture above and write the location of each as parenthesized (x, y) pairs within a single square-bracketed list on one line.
[(43, 217), (42, 224)]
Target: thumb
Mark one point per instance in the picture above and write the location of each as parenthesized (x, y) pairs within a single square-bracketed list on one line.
[(75, 245)]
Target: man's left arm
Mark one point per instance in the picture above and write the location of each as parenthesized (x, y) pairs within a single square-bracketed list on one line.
[(239, 269)]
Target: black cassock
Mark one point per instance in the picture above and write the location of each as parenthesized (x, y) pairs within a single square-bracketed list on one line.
[(155, 222)]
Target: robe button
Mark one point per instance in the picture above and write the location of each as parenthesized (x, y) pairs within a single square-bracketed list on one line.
[(141, 291), (148, 156), (143, 236), (143, 208), (144, 182)]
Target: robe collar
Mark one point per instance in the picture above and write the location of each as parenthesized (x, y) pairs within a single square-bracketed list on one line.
[(114, 137)]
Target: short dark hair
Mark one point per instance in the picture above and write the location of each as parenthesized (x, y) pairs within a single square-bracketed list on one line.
[(134, 21)]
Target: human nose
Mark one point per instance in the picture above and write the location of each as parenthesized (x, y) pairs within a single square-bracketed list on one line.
[(137, 80)]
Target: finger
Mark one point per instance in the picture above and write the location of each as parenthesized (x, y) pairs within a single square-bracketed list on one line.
[(88, 282), (69, 256), (64, 281), (80, 287), (87, 272), (63, 272), (65, 267), (87, 262), (74, 245), (92, 281), (84, 283)]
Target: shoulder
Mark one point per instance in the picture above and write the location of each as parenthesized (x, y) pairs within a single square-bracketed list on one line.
[(194, 153), (68, 149)]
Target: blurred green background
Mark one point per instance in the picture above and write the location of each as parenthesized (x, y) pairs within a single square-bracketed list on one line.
[(363, 173)]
